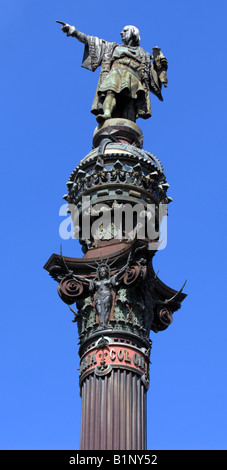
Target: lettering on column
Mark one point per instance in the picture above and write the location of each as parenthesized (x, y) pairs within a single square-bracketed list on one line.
[(102, 360)]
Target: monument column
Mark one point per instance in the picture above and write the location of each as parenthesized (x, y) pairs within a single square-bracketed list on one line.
[(117, 196)]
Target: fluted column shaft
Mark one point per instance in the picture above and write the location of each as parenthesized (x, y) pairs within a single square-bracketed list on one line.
[(113, 412)]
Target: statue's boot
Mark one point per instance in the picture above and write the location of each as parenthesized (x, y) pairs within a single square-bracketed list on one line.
[(108, 107), (102, 117)]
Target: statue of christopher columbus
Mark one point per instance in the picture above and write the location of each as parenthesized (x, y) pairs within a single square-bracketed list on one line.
[(128, 74)]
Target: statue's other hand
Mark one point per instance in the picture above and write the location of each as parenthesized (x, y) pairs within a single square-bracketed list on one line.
[(66, 28)]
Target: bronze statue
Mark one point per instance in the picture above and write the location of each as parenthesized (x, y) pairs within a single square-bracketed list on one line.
[(128, 74), (102, 285)]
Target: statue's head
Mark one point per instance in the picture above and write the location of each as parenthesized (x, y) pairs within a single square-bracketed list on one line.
[(130, 35), (103, 272)]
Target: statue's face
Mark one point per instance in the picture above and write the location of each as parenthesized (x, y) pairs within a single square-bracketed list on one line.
[(102, 273), (126, 34)]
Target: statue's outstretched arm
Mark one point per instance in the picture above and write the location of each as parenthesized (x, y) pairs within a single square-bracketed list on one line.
[(72, 31), (123, 269), (83, 278)]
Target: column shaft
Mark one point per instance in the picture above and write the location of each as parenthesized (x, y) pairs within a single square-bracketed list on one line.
[(113, 414)]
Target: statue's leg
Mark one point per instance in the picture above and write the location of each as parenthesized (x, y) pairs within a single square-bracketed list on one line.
[(99, 310), (129, 110), (107, 308), (109, 105), (103, 306)]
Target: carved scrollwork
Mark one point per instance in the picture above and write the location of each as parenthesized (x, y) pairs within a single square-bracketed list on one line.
[(136, 272), (165, 316), (70, 289), (132, 274)]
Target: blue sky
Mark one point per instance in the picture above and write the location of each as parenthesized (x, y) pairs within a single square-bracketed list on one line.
[(46, 128)]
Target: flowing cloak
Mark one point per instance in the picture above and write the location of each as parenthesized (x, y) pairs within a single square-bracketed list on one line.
[(124, 69)]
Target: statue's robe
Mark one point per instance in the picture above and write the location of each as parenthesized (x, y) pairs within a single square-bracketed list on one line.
[(124, 70)]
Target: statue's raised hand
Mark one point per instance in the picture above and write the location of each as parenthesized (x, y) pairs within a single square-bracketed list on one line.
[(67, 28)]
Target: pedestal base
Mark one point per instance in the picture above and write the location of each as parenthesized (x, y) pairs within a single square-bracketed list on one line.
[(121, 130)]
